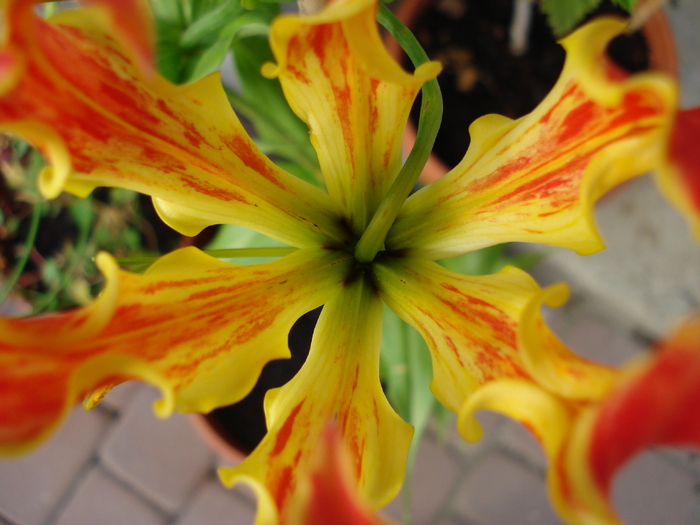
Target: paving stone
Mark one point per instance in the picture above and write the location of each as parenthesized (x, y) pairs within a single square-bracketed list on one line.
[(683, 18), (490, 423), (517, 439), (101, 499), (118, 398), (165, 459), (437, 468), (647, 277), (455, 520), (216, 505), (594, 340), (500, 491), (3, 521), (650, 490), (32, 485)]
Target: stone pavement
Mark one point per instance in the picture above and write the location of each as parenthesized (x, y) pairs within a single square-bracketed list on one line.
[(119, 464)]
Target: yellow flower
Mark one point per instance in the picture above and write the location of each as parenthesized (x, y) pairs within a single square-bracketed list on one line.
[(79, 87)]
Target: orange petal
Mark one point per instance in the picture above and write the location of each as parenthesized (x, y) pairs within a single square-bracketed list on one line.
[(536, 179), (679, 177), (133, 21), (657, 402), (198, 328), (339, 78), (477, 329), (74, 92), (340, 380), (328, 494)]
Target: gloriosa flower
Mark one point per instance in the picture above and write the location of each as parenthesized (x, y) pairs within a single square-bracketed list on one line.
[(81, 89), (652, 403)]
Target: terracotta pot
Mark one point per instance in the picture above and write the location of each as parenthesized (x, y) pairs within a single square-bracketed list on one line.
[(657, 33), (216, 440)]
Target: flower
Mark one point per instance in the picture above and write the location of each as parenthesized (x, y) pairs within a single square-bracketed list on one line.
[(200, 329), (653, 402)]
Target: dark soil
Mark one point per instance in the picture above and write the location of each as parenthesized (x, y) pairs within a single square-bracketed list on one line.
[(480, 74)]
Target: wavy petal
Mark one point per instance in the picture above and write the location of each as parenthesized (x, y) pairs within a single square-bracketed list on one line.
[(340, 380), (75, 93), (653, 402), (679, 175), (536, 179), (480, 329), (198, 328), (550, 419), (339, 78)]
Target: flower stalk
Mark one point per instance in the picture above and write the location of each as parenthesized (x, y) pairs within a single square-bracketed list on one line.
[(372, 240)]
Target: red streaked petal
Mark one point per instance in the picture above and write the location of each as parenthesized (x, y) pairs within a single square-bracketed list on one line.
[(653, 402), (340, 380), (198, 328), (341, 81), (477, 329), (132, 19), (658, 404), (181, 144), (328, 495), (536, 179), (679, 177)]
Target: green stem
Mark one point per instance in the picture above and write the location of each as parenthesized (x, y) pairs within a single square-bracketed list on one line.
[(29, 243), (219, 254), (372, 239)]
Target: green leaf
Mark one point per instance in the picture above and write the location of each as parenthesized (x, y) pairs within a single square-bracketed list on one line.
[(81, 212), (406, 371), (394, 363), (207, 28), (232, 236), (564, 15), (627, 5)]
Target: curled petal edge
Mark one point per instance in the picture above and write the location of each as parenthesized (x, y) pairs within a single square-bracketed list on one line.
[(559, 370), (358, 18)]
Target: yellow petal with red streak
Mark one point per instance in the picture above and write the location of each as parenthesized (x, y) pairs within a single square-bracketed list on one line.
[(477, 328), (327, 494), (198, 328), (181, 144), (133, 21), (536, 179), (339, 78), (340, 380)]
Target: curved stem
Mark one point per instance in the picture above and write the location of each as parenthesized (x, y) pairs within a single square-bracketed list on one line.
[(372, 239), (29, 243), (219, 254)]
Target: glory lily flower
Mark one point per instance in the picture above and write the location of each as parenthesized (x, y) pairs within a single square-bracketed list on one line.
[(79, 87), (653, 402)]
